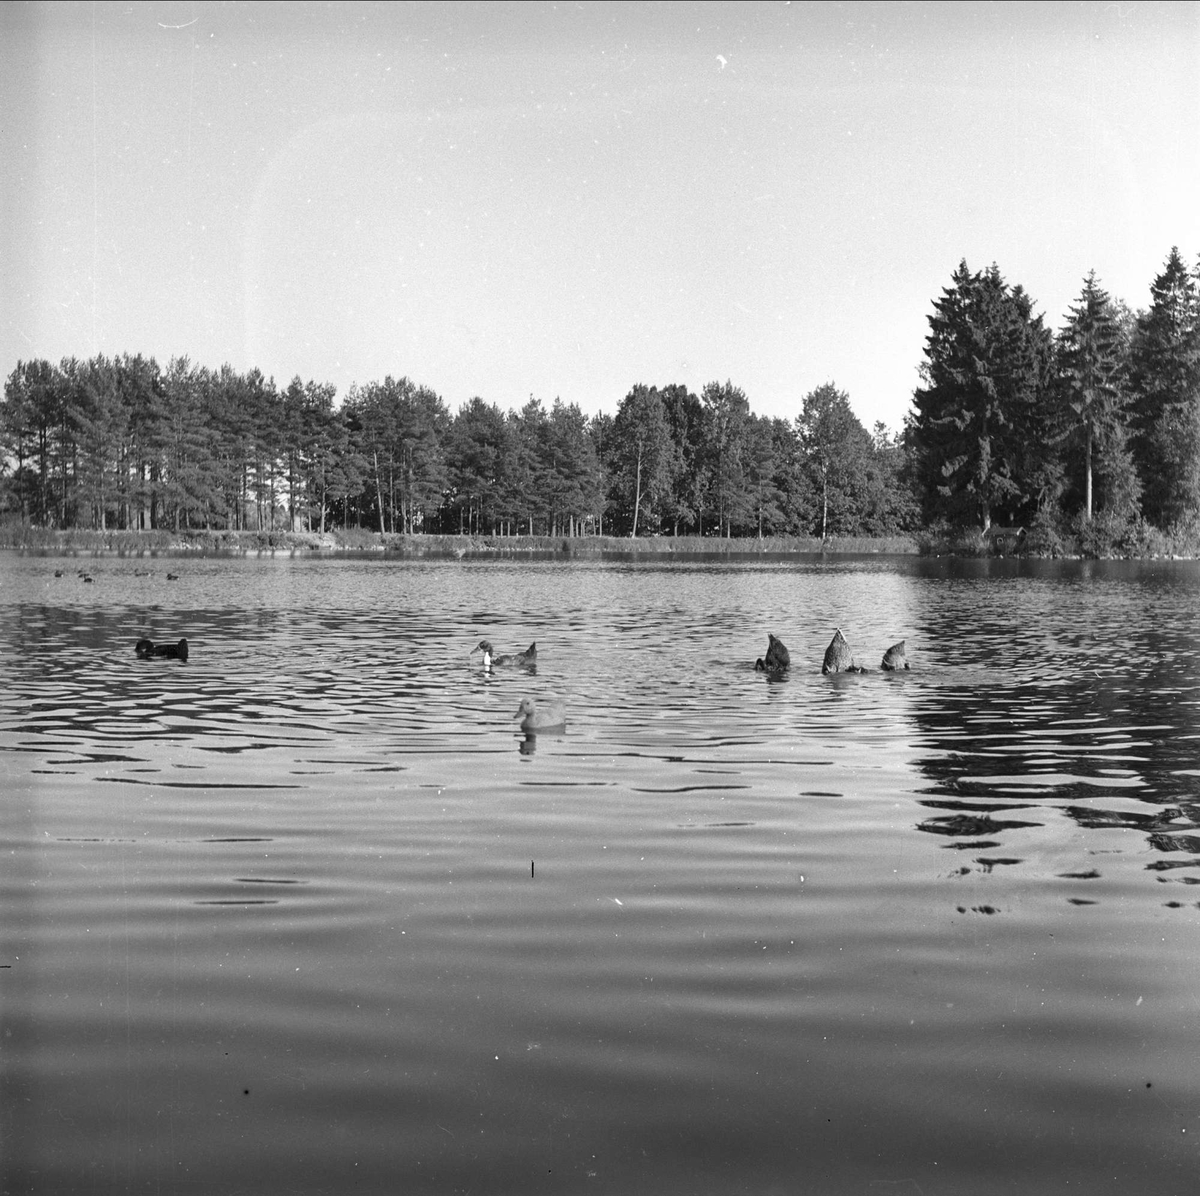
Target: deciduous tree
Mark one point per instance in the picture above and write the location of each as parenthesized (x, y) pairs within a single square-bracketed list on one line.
[(726, 411), (644, 454), (837, 450)]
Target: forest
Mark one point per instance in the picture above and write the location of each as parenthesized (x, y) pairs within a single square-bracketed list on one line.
[(1088, 439)]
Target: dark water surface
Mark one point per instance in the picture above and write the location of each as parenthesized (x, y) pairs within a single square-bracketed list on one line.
[(307, 914)]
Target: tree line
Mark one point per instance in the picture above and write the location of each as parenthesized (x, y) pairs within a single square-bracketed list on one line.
[(1092, 432), (120, 443)]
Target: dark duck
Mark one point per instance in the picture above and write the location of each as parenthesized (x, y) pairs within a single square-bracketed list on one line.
[(148, 649)]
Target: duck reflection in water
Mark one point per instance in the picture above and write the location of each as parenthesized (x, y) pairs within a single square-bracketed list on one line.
[(526, 660)]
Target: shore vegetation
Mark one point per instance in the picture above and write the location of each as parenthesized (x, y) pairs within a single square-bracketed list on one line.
[(1019, 440)]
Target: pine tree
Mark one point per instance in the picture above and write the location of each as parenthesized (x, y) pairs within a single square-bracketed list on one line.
[(574, 471), (101, 420), (525, 469), (191, 491), (477, 450)]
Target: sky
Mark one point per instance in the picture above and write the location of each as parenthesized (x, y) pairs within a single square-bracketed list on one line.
[(567, 200)]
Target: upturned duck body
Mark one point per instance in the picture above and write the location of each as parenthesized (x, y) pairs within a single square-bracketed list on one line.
[(895, 658), (147, 649), (838, 657), (777, 659)]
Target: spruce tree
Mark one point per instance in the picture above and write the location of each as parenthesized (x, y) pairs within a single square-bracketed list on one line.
[(1092, 372), (982, 425), (1166, 386)]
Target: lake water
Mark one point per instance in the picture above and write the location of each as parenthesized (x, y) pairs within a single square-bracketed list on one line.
[(308, 914)]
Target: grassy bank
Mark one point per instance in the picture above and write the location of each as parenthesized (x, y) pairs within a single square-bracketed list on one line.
[(364, 543), (1140, 542)]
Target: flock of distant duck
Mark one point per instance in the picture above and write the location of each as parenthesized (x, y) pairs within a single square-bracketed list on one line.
[(552, 716), (84, 575)]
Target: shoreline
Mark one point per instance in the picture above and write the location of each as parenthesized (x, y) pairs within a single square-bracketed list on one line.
[(399, 546), (357, 543)]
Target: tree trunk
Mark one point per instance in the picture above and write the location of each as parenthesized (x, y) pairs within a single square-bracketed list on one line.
[(1088, 463), (637, 495), (379, 494)]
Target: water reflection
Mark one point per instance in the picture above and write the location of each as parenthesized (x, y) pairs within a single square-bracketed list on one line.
[(1072, 700)]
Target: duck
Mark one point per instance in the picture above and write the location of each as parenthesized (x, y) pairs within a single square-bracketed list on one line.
[(549, 717), (838, 657), (521, 659), (777, 659), (147, 649), (894, 658)]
